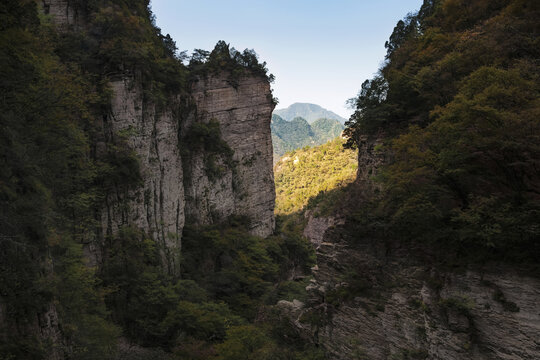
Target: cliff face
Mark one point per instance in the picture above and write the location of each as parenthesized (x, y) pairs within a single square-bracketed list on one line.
[(241, 182), (62, 12), (157, 206), (244, 182), (374, 299), (217, 185), (402, 308)]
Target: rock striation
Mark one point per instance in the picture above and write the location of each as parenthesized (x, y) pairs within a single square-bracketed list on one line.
[(244, 184), (157, 206), (402, 308), (176, 181)]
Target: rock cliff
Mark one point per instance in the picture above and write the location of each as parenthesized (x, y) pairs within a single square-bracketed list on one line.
[(63, 13), (218, 184), (243, 183), (400, 307), (237, 180), (157, 206)]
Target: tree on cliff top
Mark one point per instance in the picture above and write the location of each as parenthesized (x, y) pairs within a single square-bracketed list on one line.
[(225, 58)]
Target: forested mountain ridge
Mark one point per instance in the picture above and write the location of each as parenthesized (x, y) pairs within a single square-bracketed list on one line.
[(310, 112), (433, 252), (297, 133)]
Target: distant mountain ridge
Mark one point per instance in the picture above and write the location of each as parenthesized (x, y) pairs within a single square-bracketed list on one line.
[(310, 112), (298, 133)]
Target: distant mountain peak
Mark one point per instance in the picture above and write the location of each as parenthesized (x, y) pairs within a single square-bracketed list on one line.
[(310, 112)]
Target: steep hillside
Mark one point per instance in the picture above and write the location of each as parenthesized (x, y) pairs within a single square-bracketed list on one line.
[(434, 251), (302, 174), (298, 133), (326, 129), (310, 112)]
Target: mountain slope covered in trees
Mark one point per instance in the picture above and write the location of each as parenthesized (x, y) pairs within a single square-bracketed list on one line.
[(433, 252), (298, 133), (310, 112), (304, 173), (457, 106)]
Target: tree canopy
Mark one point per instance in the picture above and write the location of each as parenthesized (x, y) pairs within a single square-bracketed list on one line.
[(457, 103)]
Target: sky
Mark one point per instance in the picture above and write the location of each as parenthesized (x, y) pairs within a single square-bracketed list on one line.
[(320, 51)]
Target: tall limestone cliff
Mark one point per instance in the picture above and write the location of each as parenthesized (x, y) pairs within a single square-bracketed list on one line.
[(63, 13), (242, 181), (157, 206), (237, 181)]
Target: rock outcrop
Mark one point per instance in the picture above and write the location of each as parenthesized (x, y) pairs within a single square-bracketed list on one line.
[(240, 181), (62, 13), (157, 206), (380, 299), (243, 181), (399, 307)]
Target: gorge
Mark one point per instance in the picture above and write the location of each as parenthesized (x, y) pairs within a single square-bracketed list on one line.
[(138, 215)]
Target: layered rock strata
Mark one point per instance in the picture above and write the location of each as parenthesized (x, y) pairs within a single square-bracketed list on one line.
[(244, 182), (157, 205), (397, 307)]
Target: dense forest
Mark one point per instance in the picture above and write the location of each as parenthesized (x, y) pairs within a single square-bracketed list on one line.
[(456, 106), (298, 133), (305, 176)]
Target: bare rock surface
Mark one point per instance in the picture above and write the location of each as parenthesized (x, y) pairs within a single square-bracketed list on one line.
[(157, 206), (401, 308), (63, 13), (243, 112)]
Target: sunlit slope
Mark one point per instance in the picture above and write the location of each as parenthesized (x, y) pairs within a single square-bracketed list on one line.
[(304, 173)]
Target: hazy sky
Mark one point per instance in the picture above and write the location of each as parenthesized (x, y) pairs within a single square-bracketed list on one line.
[(319, 50)]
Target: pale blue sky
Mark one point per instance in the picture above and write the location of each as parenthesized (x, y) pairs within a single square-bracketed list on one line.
[(319, 50)]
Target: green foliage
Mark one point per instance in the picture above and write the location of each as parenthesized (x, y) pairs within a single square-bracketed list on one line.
[(226, 59), (298, 133), (120, 38), (206, 138), (154, 308), (462, 305), (303, 174), (236, 267), (80, 303), (245, 343), (250, 342), (458, 105), (47, 193)]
